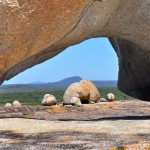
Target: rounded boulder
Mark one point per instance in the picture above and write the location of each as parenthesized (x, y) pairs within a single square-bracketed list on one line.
[(49, 100), (110, 97), (78, 90), (16, 103), (8, 105), (94, 92)]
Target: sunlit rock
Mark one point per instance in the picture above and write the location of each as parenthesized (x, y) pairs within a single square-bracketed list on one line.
[(8, 105), (75, 101), (49, 100), (94, 92), (78, 90), (103, 100), (16, 103), (110, 97)]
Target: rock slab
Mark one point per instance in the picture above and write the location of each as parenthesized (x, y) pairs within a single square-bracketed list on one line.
[(105, 125)]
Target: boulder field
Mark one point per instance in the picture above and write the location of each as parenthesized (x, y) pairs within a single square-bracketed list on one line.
[(85, 90), (34, 31)]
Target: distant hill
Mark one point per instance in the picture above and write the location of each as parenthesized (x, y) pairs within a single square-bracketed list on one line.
[(105, 84), (52, 86), (37, 82), (68, 81)]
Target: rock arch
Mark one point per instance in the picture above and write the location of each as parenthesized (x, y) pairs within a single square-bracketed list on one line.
[(34, 31)]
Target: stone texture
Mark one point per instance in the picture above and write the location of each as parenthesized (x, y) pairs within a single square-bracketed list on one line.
[(114, 126), (78, 90), (132, 110), (94, 92), (34, 31), (102, 134), (134, 66)]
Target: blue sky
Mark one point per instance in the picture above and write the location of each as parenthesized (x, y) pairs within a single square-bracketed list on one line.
[(93, 59)]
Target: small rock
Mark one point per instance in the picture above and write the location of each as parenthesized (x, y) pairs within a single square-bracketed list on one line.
[(68, 106), (16, 103), (49, 100), (110, 97), (103, 100), (61, 105), (8, 105), (91, 102), (76, 101)]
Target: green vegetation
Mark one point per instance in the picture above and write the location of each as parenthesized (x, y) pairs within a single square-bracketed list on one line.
[(35, 98), (118, 94), (31, 98)]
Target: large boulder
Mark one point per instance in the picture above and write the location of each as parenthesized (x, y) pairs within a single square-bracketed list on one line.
[(94, 92), (78, 90), (34, 31)]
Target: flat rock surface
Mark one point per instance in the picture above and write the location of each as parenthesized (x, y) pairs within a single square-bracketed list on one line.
[(106, 125)]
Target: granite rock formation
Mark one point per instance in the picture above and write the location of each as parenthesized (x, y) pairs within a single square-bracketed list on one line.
[(78, 90), (94, 93), (34, 31)]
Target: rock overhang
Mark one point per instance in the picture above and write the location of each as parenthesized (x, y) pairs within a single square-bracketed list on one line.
[(34, 31)]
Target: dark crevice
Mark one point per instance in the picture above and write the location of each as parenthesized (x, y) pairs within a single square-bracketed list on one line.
[(112, 118)]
